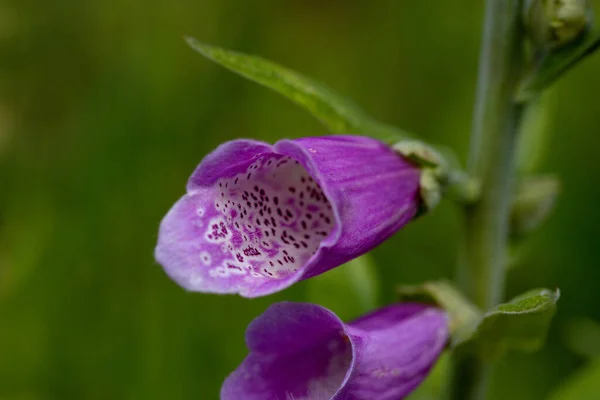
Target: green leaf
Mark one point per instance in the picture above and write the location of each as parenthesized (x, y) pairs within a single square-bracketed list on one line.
[(520, 324), (555, 64), (338, 114), (350, 290), (582, 385), (464, 315)]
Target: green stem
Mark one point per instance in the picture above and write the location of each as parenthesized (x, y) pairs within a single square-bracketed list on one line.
[(481, 273)]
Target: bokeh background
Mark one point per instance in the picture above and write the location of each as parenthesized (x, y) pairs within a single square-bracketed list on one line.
[(104, 112)]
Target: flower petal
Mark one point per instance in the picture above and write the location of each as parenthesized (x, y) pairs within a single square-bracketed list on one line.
[(227, 160)]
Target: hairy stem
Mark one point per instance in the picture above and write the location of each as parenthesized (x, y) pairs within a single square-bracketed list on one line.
[(481, 272)]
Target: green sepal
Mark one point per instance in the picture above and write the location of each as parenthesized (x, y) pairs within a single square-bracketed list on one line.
[(440, 174)]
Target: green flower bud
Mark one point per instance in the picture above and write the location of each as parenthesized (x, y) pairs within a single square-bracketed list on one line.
[(553, 24)]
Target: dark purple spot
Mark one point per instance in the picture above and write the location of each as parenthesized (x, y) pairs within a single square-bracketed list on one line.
[(231, 266), (251, 252)]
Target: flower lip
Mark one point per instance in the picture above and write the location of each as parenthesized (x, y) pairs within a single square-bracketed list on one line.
[(318, 361)]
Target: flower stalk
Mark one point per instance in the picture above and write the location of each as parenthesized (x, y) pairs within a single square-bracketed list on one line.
[(481, 271)]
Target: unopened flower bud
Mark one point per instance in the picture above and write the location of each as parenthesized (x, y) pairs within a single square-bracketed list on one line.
[(552, 24)]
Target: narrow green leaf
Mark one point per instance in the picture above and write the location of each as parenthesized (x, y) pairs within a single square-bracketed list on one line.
[(338, 114), (350, 290), (555, 64), (464, 315), (582, 385), (520, 324)]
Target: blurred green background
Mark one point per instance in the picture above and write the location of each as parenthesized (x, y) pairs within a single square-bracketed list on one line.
[(104, 113)]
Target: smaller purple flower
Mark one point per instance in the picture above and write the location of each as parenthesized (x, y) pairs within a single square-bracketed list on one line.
[(257, 217), (304, 351)]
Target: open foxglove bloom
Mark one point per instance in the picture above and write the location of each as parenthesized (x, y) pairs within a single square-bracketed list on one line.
[(304, 351), (257, 217)]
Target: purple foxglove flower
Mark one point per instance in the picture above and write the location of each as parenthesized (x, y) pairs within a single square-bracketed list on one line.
[(304, 351), (257, 217)]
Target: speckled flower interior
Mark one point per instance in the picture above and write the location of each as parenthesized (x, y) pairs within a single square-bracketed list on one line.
[(265, 221)]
